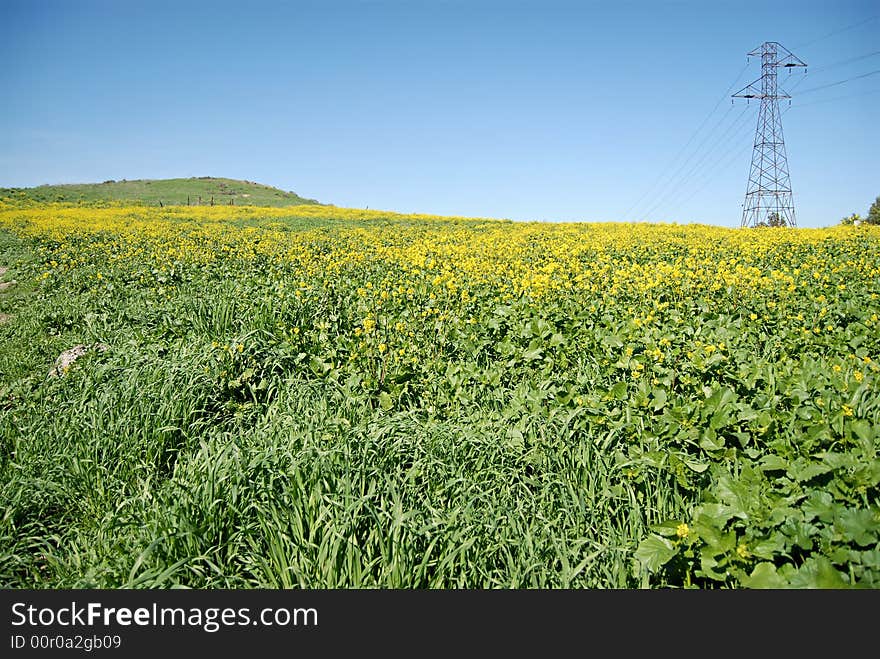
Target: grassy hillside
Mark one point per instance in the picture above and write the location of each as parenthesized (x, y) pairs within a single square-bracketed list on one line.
[(201, 190)]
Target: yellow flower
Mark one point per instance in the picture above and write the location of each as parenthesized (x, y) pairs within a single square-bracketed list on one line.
[(858, 376), (682, 530), (382, 347)]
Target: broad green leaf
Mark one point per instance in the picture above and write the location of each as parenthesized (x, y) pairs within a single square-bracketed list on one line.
[(859, 526), (770, 548), (773, 462), (654, 552), (710, 566), (612, 341), (864, 430), (385, 401), (734, 494), (318, 367), (668, 527), (710, 441), (821, 505), (839, 460), (557, 339), (659, 398), (618, 391), (764, 576), (803, 471), (720, 400), (818, 572), (534, 350), (697, 466), (718, 513)]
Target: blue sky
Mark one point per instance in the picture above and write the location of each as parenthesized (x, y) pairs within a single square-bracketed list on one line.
[(528, 110)]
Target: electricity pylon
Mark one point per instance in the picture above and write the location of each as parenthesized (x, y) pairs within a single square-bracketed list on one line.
[(768, 194)]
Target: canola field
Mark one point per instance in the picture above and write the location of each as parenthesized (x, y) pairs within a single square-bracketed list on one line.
[(320, 397)]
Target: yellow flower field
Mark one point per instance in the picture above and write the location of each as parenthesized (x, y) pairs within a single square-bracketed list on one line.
[(399, 400)]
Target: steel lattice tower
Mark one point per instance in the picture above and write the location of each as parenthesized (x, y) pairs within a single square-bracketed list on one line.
[(768, 195)]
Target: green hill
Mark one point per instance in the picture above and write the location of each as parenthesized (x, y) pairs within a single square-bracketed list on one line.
[(203, 190)]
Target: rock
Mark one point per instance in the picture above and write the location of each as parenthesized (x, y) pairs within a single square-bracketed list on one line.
[(66, 358)]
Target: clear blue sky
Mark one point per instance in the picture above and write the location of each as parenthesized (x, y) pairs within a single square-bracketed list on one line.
[(529, 110)]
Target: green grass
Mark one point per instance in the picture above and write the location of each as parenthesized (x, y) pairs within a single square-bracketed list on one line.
[(174, 191), (140, 468), (174, 459), (137, 470)]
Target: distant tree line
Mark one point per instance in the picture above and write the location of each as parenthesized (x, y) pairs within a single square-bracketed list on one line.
[(872, 218)]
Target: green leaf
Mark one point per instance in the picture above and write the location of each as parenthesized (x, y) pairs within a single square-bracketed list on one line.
[(773, 462), (710, 441), (864, 430), (709, 563), (612, 341), (839, 460), (770, 548), (697, 466), (818, 572), (821, 505), (385, 401), (804, 472), (720, 400), (735, 494), (533, 351), (718, 513), (668, 527), (654, 552), (764, 576), (318, 367), (618, 391), (860, 526), (659, 398)]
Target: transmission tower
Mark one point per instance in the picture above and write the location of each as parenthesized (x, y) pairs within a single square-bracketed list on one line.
[(768, 194)]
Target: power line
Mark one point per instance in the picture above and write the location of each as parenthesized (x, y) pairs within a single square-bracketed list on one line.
[(688, 159), (839, 82), (736, 155), (713, 169), (836, 32), (830, 66), (687, 144), (734, 130), (837, 98), (846, 61)]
